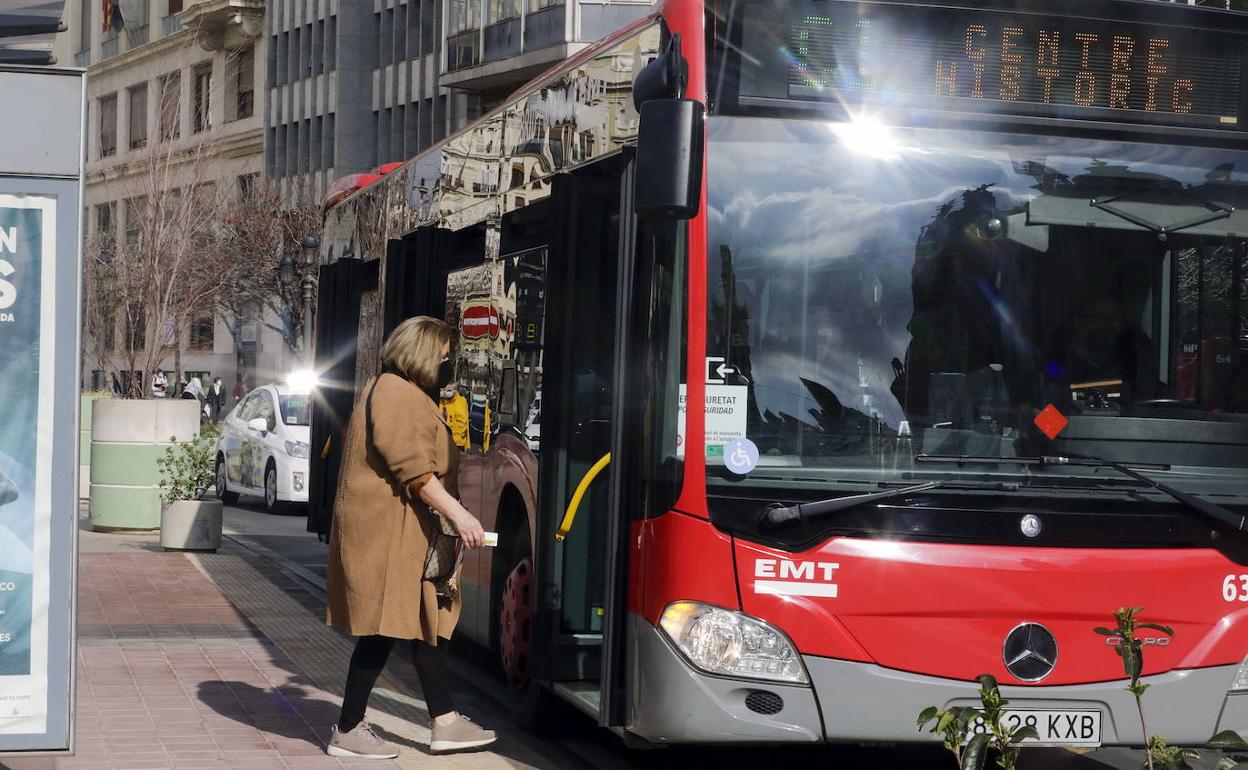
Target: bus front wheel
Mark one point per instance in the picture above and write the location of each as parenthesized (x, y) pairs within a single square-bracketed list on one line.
[(515, 619)]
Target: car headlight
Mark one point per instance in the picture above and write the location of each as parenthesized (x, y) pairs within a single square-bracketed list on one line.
[(298, 449), (727, 643)]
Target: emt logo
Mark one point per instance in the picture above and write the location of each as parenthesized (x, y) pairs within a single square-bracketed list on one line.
[(781, 577)]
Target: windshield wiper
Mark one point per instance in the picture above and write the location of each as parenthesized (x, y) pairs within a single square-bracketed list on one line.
[(1210, 510), (778, 514)]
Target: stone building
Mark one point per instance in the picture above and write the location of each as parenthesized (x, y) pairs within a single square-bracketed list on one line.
[(184, 78)]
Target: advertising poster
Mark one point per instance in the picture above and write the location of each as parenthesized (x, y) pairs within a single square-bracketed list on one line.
[(27, 256)]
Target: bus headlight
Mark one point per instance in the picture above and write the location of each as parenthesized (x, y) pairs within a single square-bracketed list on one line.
[(727, 643), (1240, 682), (298, 449)]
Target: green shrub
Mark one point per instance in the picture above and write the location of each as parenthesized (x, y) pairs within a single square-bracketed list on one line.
[(187, 468)]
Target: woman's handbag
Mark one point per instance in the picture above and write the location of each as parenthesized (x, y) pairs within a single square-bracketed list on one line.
[(445, 547), (445, 553)]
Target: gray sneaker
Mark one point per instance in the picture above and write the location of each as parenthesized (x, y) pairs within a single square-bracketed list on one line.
[(459, 735), (361, 743)]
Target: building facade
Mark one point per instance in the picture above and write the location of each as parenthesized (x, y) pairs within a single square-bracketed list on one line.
[(181, 81), (354, 84)]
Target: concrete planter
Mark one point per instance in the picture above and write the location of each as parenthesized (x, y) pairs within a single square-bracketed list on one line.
[(191, 525), (127, 437), (84, 446)]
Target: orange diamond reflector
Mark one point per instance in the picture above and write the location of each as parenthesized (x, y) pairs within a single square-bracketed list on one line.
[(1051, 422)]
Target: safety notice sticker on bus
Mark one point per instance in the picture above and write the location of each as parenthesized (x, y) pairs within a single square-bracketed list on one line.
[(725, 418)]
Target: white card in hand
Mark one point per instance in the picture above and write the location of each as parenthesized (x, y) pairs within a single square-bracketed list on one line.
[(491, 539)]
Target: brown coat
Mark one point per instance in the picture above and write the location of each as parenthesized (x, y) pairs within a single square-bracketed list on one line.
[(380, 538)]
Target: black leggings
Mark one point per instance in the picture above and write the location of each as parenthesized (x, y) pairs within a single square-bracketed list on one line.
[(369, 659)]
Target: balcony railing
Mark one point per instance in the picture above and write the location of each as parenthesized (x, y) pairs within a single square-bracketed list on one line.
[(138, 35), (169, 25), (82, 58), (109, 47)]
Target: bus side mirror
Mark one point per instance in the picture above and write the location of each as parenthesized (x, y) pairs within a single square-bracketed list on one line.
[(669, 159), (668, 181)]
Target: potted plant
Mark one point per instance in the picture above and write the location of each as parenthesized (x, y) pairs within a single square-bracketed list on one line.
[(187, 521)]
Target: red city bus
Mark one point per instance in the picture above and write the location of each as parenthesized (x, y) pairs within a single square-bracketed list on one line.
[(964, 291)]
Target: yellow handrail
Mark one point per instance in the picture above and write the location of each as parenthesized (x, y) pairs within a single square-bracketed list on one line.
[(570, 515)]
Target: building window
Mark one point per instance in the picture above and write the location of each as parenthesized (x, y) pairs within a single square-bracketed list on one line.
[(502, 10), (538, 5), (330, 161), (201, 335), (175, 6), (108, 329), (104, 219), (465, 15), (201, 98), (245, 83), (318, 49), (138, 116), (84, 34), (247, 184), (331, 44), (170, 103), (108, 125), (136, 209), (105, 230)]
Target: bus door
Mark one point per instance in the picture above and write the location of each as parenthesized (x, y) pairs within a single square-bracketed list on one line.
[(609, 443), (576, 431)]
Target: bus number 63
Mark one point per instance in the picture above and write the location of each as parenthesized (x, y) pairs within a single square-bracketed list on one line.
[(1235, 588)]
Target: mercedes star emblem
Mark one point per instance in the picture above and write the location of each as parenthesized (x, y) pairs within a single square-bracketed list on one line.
[(1030, 525), (1030, 652)]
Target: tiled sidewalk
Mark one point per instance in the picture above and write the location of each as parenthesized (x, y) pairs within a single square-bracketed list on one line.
[(177, 670), (170, 675)]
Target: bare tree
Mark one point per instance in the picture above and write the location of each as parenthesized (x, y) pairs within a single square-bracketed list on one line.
[(258, 229), (100, 300), (165, 269)]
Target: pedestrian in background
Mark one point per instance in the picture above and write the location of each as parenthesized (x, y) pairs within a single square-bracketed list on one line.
[(216, 400), (239, 391), (397, 487), (195, 389), (159, 384)]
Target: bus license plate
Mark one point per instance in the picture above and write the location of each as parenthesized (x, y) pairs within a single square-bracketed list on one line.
[(1057, 728)]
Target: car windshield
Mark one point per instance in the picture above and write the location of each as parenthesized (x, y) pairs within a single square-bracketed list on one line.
[(877, 295), (296, 410)]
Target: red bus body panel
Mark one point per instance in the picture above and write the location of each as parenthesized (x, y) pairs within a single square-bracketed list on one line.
[(679, 557), (944, 609)]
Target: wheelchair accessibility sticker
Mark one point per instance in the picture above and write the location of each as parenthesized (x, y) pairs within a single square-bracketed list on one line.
[(740, 456)]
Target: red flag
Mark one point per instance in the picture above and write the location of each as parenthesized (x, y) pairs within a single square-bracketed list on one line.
[(112, 16)]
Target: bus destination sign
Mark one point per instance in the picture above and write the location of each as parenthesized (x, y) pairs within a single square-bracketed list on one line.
[(1018, 63)]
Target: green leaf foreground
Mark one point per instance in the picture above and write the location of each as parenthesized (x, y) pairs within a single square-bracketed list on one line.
[(975, 753), (971, 753), (187, 468)]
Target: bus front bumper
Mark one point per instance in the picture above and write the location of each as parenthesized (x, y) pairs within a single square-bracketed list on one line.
[(671, 702)]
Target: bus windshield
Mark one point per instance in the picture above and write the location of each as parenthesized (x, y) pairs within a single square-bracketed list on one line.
[(877, 295)]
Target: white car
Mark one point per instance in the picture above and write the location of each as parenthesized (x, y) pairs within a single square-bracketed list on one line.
[(263, 449)]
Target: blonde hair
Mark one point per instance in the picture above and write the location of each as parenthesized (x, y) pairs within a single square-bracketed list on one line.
[(414, 349)]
